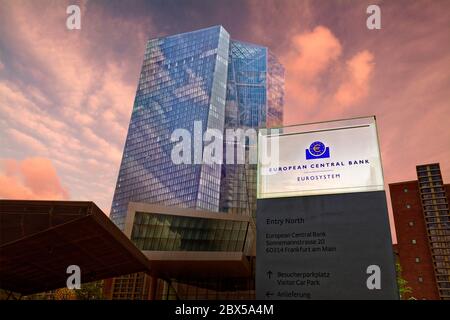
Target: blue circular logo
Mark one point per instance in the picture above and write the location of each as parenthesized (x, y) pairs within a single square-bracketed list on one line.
[(317, 148)]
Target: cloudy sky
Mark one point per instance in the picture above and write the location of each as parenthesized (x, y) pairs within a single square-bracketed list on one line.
[(66, 96)]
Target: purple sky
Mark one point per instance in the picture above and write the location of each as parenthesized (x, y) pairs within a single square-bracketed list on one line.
[(66, 96)]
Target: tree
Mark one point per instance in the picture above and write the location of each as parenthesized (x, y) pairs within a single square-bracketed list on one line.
[(65, 294), (90, 291), (402, 284)]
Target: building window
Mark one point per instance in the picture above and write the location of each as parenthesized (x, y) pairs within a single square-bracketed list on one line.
[(420, 279), (405, 190), (411, 223), (417, 260), (408, 206), (413, 241)]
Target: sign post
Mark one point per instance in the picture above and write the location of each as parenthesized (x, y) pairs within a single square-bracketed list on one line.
[(322, 221)]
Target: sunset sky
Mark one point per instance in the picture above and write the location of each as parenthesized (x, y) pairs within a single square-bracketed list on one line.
[(66, 96)]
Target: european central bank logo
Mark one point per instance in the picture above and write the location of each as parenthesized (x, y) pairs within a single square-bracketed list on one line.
[(317, 150)]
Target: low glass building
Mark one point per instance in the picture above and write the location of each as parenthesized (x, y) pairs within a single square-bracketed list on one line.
[(193, 254)]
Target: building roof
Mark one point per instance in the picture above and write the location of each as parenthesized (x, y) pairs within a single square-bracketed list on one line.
[(40, 239)]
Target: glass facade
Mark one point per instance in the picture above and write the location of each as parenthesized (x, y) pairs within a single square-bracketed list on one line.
[(275, 92), (197, 76), (130, 287), (183, 80), (226, 84), (255, 98), (161, 232)]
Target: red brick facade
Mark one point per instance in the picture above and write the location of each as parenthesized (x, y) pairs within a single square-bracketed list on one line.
[(410, 226)]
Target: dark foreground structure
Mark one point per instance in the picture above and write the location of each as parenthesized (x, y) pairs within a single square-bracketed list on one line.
[(40, 239)]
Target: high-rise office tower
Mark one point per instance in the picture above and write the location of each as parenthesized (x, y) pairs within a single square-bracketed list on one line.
[(197, 76), (183, 80), (422, 223), (255, 98)]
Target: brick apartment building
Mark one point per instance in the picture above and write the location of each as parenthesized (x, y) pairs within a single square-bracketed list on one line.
[(421, 214)]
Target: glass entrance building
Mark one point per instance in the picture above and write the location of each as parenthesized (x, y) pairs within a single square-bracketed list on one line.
[(186, 79)]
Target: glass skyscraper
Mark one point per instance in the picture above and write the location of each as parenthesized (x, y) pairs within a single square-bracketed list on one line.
[(183, 79), (255, 92), (197, 76)]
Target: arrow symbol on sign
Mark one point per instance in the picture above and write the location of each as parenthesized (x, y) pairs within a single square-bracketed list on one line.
[(269, 274)]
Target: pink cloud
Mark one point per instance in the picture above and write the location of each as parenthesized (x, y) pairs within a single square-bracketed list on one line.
[(356, 83), (319, 83), (310, 55), (31, 178), (73, 91)]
